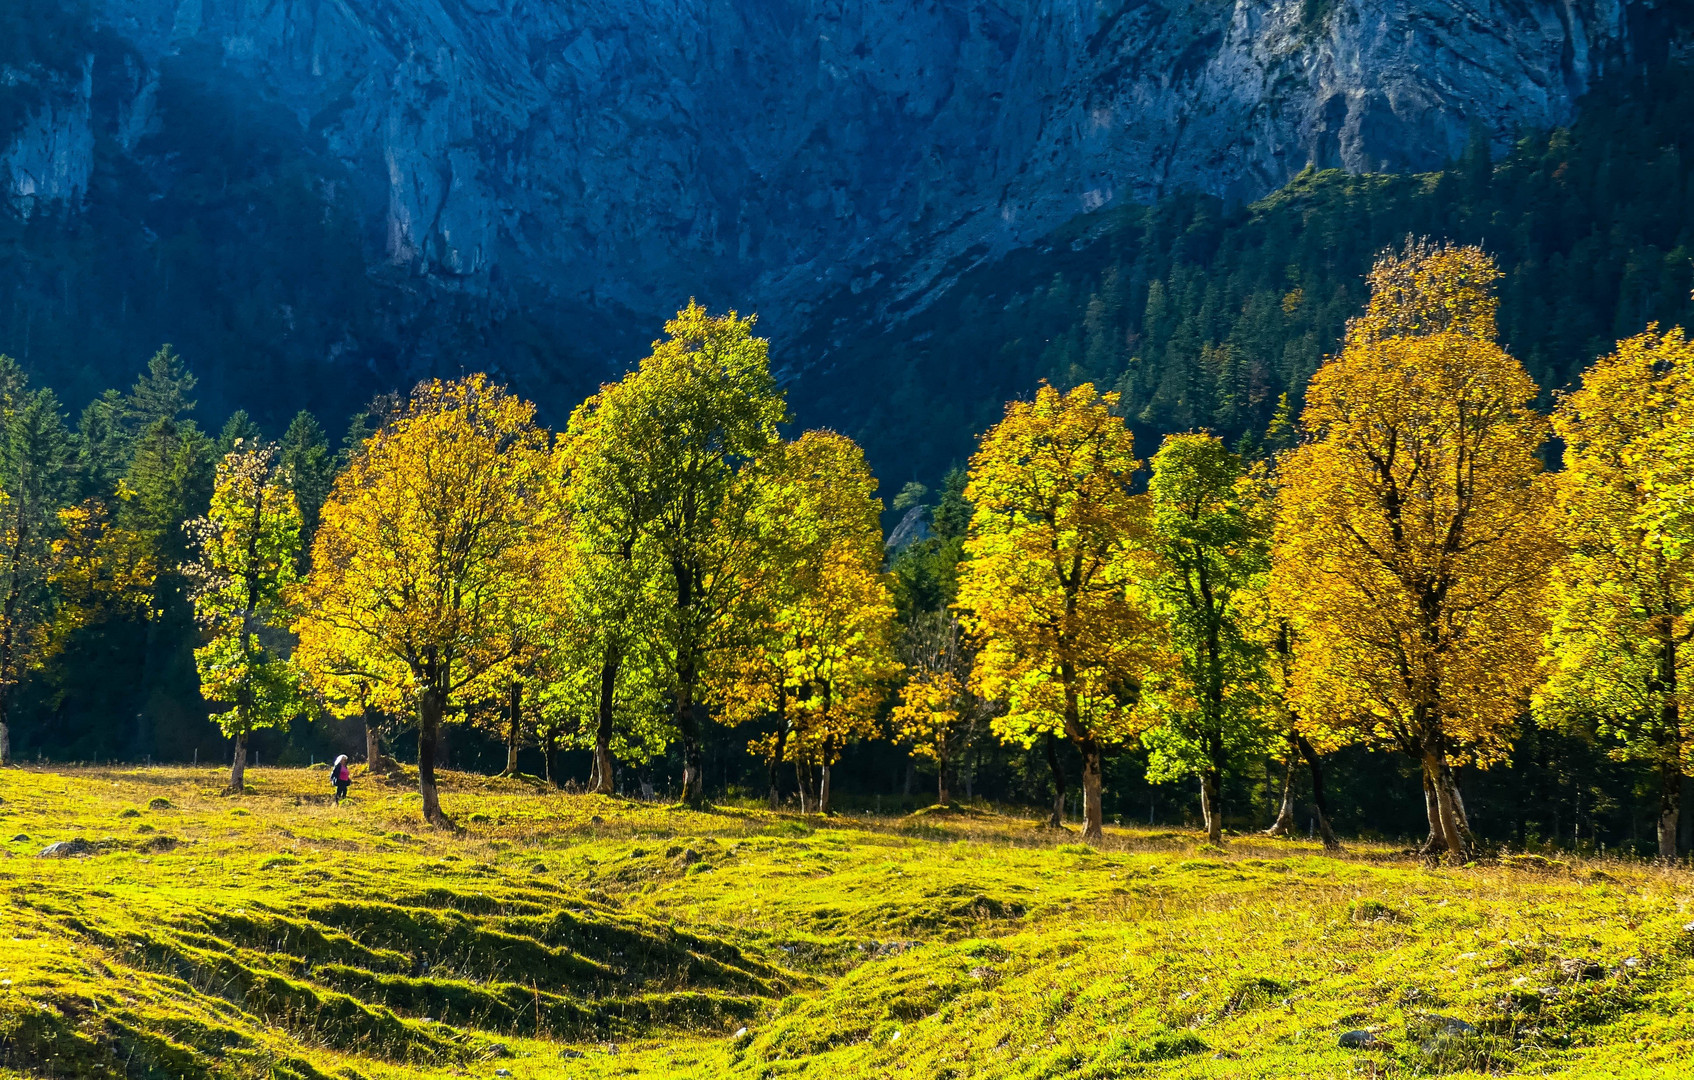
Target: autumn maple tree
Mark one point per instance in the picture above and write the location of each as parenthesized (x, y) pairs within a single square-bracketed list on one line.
[(1622, 599), (1055, 550), (248, 549), (1412, 545), (428, 552)]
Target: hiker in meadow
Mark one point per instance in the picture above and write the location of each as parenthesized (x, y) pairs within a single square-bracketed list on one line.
[(340, 775)]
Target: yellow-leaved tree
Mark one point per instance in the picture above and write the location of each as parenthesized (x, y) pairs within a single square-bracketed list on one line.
[(1412, 546), (429, 551), (1055, 548), (1622, 601), (817, 644)]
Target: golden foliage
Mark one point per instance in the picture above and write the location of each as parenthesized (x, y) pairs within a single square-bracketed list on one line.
[(1411, 545), (1622, 601)]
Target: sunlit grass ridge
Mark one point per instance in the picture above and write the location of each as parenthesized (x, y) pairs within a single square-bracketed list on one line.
[(278, 935)]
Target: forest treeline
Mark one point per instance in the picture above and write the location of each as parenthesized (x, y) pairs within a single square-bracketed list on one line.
[(1200, 314), (1398, 571)]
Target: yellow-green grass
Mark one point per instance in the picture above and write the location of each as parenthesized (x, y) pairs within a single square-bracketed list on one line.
[(276, 934)]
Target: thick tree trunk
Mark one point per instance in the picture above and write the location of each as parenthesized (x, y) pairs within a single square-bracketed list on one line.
[(601, 783), (373, 746), (1447, 806), (1057, 821), (823, 789), (1319, 799), (1670, 809), (514, 727), (430, 709), (1435, 844), (5, 743), (693, 773), (1211, 805), (238, 765), (1093, 813), (1284, 823)]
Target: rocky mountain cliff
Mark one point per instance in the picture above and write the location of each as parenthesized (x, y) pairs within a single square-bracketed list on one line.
[(599, 161)]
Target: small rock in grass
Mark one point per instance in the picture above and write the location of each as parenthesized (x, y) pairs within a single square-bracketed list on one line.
[(21, 838), (740, 1033), (1449, 1025), (502, 1072), (158, 802), (597, 820), (64, 849), (688, 858), (538, 868), (128, 812), (567, 1053), (1360, 1040)]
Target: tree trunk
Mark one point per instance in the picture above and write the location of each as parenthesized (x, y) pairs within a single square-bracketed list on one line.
[(1434, 845), (693, 775), (514, 727), (1670, 809), (430, 708), (941, 781), (5, 743), (602, 780), (823, 789), (1284, 823), (238, 765), (373, 746), (1447, 807), (1057, 821), (1211, 805), (781, 744), (1319, 799), (550, 760), (1093, 814)]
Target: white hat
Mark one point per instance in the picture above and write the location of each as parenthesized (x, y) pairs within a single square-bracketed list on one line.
[(340, 759)]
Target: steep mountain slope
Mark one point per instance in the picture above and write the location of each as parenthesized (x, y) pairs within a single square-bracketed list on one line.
[(327, 198)]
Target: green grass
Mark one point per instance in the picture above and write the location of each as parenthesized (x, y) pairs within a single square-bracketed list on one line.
[(277, 935)]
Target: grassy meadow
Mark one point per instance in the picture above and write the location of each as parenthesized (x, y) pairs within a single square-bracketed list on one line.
[(275, 934)]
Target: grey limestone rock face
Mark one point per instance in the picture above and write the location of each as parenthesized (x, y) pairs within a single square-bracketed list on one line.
[(773, 152)]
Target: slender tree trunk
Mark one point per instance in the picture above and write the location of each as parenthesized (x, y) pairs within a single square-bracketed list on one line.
[(1670, 750), (550, 759), (1211, 804), (238, 764), (781, 745), (941, 795), (601, 783), (1057, 821), (1093, 813), (5, 743), (430, 709), (1284, 823), (514, 726), (1319, 799)]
